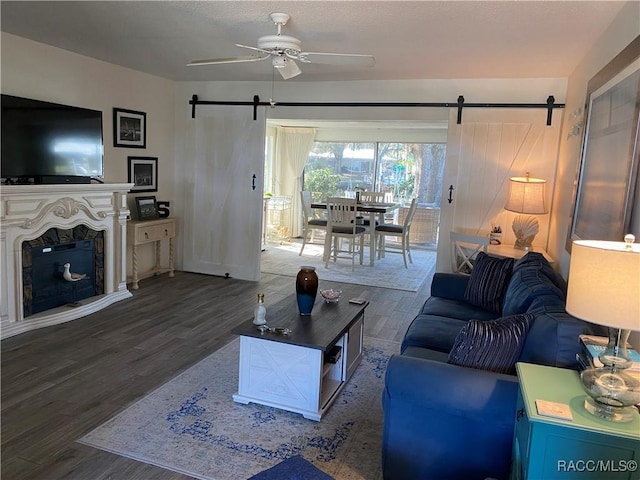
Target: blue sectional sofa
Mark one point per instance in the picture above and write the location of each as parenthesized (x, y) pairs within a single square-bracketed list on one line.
[(447, 421)]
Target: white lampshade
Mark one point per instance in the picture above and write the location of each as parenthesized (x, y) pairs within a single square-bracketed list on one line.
[(526, 195), (604, 283)]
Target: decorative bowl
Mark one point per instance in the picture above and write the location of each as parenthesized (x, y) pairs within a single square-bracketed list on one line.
[(331, 295)]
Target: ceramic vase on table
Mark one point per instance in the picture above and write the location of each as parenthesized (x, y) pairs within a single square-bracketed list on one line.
[(306, 289)]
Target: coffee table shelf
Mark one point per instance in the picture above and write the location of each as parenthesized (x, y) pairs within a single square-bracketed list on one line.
[(290, 371)]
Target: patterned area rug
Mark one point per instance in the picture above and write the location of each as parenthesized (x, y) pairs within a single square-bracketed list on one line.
[(388, 272), (191, 424)]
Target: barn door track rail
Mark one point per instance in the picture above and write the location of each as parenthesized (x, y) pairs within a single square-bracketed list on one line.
[(550, 105)]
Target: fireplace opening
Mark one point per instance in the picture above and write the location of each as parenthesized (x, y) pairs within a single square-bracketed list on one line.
[(44, 262)]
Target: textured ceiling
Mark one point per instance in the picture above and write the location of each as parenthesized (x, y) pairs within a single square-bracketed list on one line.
[(410, 40)]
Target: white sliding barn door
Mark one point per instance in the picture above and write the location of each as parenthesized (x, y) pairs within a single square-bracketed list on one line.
[(489, 147), (223, 212)]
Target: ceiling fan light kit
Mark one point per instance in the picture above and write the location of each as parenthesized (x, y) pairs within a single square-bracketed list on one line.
[(279, 62), (284, 50), (287, 67)]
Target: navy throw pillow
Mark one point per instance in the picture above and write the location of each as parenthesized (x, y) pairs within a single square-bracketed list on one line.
[(492, 345), (489, 281)]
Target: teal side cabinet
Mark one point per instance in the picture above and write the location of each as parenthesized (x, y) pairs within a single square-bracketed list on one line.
[(585, 448)]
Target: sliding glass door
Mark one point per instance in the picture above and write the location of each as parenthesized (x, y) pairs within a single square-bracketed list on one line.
[(401, 170)]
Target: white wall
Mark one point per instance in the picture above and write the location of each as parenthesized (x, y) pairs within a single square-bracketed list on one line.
[(35, 70)]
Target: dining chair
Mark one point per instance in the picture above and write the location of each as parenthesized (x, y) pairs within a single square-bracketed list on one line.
[(342, 225), (310, 223), (391, 229), (390, 217), (464, 250), (369, 197)]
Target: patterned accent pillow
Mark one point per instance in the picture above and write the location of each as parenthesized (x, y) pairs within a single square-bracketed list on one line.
[(489, 281), (492, 345)]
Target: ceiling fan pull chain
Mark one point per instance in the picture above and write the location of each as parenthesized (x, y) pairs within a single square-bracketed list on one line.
[(273, 80)]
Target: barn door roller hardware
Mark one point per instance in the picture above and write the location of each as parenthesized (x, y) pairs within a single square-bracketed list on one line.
[(550, 105)]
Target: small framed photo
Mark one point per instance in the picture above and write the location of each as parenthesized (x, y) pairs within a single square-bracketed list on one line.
[(143, 173), (146, 208), (129, 128)]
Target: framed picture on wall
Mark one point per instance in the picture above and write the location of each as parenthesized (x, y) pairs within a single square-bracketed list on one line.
[(129, 128), (146, 208), (143, 173), (605, 200)]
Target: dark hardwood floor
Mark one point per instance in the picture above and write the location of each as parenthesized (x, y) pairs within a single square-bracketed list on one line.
[(61, 382)]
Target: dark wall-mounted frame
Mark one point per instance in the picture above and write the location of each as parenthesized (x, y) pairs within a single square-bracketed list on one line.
[(146, 208), (129, 128), (605, 205), (143, 173)]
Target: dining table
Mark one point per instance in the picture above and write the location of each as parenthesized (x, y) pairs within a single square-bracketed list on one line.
[(375, 211)]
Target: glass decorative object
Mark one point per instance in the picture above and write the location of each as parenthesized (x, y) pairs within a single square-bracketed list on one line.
[(331, 295), (612, 392), (260, 311), (306, 289)]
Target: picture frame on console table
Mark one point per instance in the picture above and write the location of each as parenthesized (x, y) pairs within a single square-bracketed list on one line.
[(129, 128), (146, 208), (143, 173)]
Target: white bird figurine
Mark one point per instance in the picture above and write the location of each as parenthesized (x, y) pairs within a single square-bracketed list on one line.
[(70, 276)]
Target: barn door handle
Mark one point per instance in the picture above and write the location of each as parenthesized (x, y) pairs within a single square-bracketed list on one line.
[(253, 182), (450, 199)]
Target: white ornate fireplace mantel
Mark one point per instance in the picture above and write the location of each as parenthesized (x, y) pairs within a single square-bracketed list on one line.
[(27, 211)]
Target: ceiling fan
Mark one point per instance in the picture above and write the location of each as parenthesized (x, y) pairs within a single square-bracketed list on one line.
[(284, 50)]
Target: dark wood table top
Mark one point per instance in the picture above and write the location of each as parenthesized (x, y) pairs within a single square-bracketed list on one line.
[(320, 330), (371, 207)]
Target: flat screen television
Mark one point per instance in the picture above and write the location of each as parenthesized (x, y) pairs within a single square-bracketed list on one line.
[(45, 142)]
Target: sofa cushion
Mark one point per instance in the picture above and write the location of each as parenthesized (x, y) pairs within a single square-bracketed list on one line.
[(445, 307), (449, 285), (493, 345), (526, 284), (433, 332), (553, 339), (488, 282), (548, 302), (537, 260)]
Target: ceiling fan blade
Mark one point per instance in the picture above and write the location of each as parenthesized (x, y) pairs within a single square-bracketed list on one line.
[(289, 70), (261, 50), (216, 61), (349, 59)]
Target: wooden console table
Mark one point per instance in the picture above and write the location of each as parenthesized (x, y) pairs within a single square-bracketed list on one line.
[(141, 232), (512, 252)]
